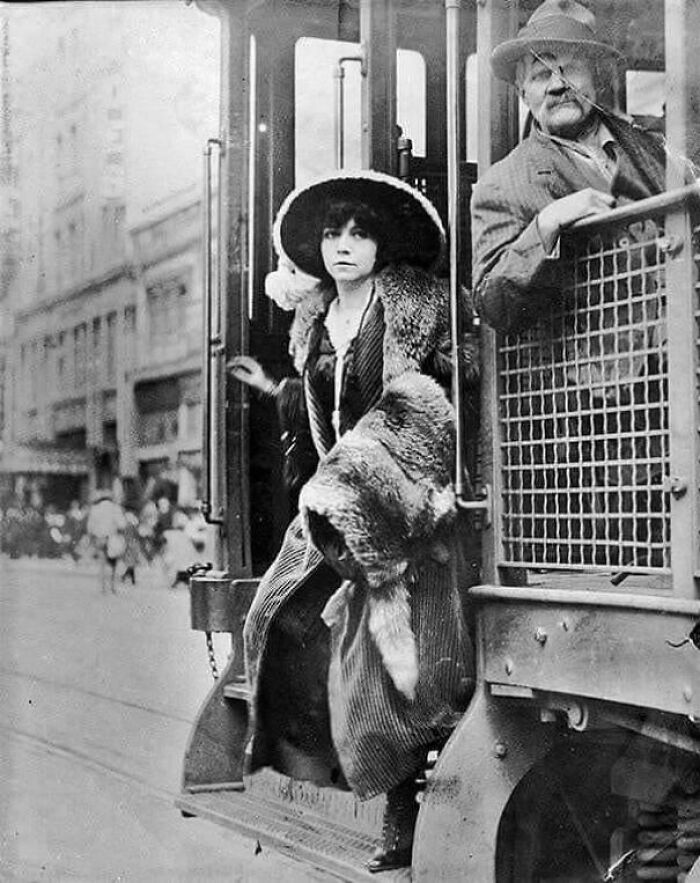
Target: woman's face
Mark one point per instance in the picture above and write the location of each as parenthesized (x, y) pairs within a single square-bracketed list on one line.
[(349, 252)]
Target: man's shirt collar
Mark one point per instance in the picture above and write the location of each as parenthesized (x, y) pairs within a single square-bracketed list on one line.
[(602, 152)]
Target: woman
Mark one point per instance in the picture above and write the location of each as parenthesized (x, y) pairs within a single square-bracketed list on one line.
[(356, 650)]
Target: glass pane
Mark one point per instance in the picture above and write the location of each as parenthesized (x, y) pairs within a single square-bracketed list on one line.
[(471, 91), (410, 97), (646, 93), (316, 62)]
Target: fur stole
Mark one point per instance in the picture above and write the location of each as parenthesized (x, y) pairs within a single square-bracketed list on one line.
[(386, 487), (417, 320)]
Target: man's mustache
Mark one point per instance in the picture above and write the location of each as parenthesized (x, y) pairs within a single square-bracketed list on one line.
[(564, 98)]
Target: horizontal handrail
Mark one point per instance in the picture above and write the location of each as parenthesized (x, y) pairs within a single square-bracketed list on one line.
[(653, 205), (584, 598)]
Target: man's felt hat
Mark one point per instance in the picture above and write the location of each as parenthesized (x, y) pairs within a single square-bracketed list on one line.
[(412, 220), (552, 27)]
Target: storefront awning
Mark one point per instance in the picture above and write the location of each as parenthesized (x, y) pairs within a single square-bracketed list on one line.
[(43, 460)]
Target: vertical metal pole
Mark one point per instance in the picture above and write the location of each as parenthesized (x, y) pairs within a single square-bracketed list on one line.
[(452, 54), (211, 309), (339, 75), (233, 281), (252, 177), (378, 39), (683, 118), (682, 84), (497, 20), (206, 322), (217, 357)]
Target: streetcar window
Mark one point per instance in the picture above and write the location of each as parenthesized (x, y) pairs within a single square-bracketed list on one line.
[(471, 92), (646, 93), (410, 97), (315, 64)]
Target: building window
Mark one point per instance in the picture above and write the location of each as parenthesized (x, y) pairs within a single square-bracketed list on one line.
[(111, 355), (129, 320), (158, 428), (61, 363), (96, 348), (75, 250), (49, 367), (59, 155), (34, 369), (167, 304), (113, 218), (58, 249), (74, 153), (193, 427), (79, 346), (3, 375)]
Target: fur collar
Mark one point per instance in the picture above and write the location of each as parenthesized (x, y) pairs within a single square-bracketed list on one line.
[(416, 314)]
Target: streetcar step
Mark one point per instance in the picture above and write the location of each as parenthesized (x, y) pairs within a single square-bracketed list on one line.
[(276, 812)]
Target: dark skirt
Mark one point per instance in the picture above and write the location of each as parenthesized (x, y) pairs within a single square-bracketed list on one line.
[(323, 706)]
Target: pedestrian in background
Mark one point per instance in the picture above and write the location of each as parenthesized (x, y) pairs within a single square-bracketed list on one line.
[(105, 524), (179, 552), (164, 522), (132, 546), (75, 529), (148, 518)]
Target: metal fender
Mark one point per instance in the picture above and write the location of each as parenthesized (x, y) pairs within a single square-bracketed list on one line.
[(493, 747)]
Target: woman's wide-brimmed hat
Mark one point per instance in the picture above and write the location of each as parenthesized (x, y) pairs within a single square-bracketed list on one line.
[(552, 27), (412, 219)]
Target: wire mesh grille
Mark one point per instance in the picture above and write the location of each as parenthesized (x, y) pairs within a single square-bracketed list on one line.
[(584, 416)]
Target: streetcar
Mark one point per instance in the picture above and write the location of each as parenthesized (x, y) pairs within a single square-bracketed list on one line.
[(578, 757)]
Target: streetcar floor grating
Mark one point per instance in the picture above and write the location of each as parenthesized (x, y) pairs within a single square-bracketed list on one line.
[(321, 842)]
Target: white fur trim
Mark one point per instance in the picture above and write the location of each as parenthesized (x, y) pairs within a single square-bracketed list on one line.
[(352, 174), (390, 626)]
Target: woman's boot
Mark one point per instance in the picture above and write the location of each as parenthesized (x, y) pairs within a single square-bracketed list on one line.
[(397, 829)]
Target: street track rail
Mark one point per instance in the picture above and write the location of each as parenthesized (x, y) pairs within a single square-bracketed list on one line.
[(53, 682)]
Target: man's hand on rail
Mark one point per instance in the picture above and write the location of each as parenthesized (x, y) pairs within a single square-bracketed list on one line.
[(561, 213)]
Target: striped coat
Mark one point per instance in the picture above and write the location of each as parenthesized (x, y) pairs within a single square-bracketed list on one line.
[(325, 705)]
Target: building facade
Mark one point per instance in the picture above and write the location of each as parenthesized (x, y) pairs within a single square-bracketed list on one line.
[(110, 105)]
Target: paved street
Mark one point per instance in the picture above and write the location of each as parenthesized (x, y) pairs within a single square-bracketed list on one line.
[(97, 694)]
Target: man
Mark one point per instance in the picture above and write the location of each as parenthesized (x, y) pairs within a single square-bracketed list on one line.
[(579, 159), (105, 525)]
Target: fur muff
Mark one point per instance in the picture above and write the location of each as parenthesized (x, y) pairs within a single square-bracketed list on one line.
[(386, 488)]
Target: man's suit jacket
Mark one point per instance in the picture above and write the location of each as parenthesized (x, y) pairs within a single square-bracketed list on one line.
[(512, 274)]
